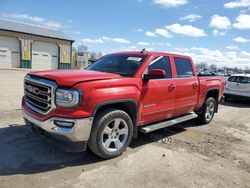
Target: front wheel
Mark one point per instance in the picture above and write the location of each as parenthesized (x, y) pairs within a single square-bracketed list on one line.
[(208, 111), (111, 134)]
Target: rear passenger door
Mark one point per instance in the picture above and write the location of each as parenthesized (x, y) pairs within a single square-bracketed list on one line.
[(233, 83), (245, 84), (187, 86), (158, 95)]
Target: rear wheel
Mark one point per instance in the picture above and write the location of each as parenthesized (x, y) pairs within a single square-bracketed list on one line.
[(208, 111), (111, 134)]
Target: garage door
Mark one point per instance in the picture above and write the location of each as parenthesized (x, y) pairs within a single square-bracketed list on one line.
[(9, 52), (44, 56)]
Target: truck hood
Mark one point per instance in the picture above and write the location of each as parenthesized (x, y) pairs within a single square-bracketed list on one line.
[(71, 77)]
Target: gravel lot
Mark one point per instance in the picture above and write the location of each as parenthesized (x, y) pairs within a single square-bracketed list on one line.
[(186, 155)]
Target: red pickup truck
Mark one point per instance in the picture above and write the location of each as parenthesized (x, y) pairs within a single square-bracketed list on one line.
[(105, 106)]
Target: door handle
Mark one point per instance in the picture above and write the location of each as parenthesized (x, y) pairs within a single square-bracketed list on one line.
[(195, 85), (171, 87)]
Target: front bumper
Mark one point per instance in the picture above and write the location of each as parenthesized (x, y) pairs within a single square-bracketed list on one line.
[(69, 139)]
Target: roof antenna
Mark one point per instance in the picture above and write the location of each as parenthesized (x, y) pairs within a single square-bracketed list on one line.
[(143, 50)]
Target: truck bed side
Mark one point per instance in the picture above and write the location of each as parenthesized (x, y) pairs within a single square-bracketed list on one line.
[(209, 84)]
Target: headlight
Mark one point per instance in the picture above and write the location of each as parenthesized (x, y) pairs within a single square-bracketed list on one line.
[(67, 98)]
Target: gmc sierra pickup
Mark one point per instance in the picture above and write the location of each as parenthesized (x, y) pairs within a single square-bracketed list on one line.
[(105, 106)]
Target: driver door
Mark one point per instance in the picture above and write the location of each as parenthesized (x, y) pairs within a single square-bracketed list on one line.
[(158, 95)]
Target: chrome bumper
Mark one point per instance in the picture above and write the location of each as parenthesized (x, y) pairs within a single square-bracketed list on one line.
[(79, 132)]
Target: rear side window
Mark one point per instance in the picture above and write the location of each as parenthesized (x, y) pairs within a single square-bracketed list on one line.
[(233, 79), (162, 63), (245, 80), (183, 67), (239, 79)]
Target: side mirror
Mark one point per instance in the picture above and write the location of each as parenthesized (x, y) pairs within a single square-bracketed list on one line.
[(155, 74)]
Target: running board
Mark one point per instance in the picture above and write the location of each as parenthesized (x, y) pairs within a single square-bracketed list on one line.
[(167, 123)]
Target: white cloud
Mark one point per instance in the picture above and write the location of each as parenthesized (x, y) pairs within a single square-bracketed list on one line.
[(34, 19), (159, 31), (220, 22), (132, 47), (243, 22), (163, 32), (232, 47), (170, 3), (105, 39), (237, 4), (77, 32), (25, 17), (52, 24), (139, 30), (164, 44), (149, 49), (120, 40), (150, 34), (217, 33), (241, 40), (187, 30), (230, 59), (191, 17), (128, 48), (245, 54), (142, 43), (98, 41)]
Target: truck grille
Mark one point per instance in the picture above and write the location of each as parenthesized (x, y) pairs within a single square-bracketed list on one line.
[(38, 95)]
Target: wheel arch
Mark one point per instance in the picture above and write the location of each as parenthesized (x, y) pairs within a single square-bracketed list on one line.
[(128, 105), (213, 92)]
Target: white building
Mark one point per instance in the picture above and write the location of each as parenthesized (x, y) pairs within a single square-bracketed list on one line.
[(35, 47)]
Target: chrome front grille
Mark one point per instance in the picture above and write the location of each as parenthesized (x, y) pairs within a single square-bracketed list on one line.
[(39, 94)]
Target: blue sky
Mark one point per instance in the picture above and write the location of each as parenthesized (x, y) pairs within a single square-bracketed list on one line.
[(211, 31)]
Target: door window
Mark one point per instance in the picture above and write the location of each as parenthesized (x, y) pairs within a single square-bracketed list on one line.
[(239, 79), (233, 78), (245, 80), (183, 67), (161, 63)]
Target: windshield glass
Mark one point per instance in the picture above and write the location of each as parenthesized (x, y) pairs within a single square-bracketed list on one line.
[(122, 64)]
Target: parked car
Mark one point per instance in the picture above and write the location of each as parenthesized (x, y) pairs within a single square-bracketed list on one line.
[(206, 72), (121, 94), (238, 85)]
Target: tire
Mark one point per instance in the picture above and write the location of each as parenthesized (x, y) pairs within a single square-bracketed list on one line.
[(226, 98), (111, 133), (208, 111)]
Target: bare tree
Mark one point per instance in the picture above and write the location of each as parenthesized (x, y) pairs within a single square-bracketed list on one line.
[(200, 66), (82, 48), (213, 67), (99, 55), (93, 55), (247, 70)]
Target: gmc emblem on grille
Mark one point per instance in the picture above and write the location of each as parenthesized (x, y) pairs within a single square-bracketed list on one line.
[(32, 89)]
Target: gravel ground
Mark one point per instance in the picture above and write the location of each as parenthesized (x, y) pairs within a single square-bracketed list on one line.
[(186, 155)]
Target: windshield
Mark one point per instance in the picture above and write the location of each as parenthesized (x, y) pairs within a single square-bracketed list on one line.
[(122, 64)]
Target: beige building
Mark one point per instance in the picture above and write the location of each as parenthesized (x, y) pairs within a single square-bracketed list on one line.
[(34, 47)]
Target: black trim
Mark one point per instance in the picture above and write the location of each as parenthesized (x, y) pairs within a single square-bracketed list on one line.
[(135, 120), (112, 102), (217, 100)]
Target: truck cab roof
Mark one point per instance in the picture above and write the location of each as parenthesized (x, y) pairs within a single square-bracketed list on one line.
[(152, 53)]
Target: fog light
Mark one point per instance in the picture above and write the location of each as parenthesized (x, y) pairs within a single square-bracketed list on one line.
[(64, 124)]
